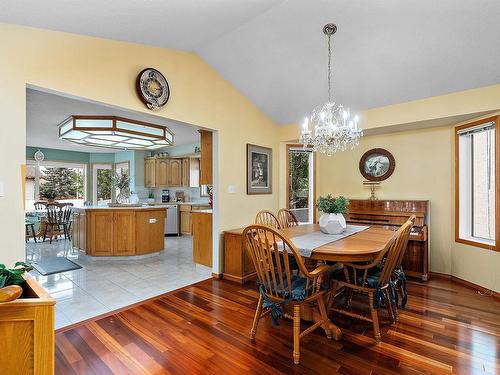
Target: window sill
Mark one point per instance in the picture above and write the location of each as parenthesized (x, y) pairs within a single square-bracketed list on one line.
[(476, 243)]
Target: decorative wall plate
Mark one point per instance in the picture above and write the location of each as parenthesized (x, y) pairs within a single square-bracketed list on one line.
[(377, 164), (38, 156), (152, 88)]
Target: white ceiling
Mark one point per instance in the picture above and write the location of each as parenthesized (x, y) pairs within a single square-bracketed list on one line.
[(44, 111), (385, 52)]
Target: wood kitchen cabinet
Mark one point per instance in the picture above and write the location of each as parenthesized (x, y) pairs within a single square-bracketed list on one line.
[(119, 232), (202, 237), (190, 172), (185, 213), (124, 233), (102, 228), (206, 157), (162, 172), (175, 172), (149, 172)]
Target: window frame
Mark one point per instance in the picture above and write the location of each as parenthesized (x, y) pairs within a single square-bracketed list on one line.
[(471, 242), (57, 164)]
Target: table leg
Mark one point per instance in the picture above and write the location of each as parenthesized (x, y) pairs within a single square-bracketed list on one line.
[(310, 312)]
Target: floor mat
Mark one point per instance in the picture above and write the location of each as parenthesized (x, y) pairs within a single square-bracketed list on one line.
[(53, 265)]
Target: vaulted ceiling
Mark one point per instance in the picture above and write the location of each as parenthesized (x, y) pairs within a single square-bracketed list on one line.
[(385, 52)]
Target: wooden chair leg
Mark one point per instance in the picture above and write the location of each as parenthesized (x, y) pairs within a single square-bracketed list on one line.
[(33, 232), (376, 329), (51, 233), (296, 334), (324, 317), (258, 313), (45, 232)]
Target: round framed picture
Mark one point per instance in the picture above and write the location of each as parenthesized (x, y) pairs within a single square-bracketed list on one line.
[(377, 164)]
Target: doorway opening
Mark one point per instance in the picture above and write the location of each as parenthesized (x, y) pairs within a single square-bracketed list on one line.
[(301, 183)]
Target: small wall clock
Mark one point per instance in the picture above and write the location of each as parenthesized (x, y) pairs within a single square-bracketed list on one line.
[(152, 88)]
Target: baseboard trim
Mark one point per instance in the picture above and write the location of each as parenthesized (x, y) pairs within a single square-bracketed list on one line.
[(216, 275), (466, 283)]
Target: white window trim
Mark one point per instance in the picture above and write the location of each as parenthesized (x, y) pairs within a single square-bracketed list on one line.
[(57, 164), (464, 186)]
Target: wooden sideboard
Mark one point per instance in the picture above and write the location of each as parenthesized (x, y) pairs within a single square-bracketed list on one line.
[(393, 213), (238, 266)]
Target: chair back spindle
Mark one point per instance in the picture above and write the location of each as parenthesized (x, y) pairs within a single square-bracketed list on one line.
[(266, 217), (287, 218)]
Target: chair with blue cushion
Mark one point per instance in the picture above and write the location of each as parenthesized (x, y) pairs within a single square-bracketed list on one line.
[(373, 279), (272, 254)]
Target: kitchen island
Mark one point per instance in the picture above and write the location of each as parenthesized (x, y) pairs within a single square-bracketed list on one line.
[(119, 231)]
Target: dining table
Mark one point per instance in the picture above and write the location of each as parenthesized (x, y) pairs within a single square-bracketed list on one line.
[(359, 247)]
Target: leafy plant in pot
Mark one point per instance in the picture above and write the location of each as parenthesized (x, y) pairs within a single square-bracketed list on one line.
[(332, 221), (11, 280)]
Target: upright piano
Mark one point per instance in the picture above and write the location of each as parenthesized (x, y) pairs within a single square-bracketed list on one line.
[(392, 214)]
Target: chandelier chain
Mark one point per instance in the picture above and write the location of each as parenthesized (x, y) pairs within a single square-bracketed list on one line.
[(329, 68)]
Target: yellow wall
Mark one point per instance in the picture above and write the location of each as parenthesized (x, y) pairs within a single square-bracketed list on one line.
[(105, 71), (424, 170)]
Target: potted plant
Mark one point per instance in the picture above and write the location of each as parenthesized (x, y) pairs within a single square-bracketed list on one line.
[(121, 181), (332, 221), (49, 194), (27, 312), (11, 281), (151, 197)]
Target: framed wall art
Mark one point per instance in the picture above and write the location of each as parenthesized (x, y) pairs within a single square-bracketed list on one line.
[(259, 169), (377, 164)]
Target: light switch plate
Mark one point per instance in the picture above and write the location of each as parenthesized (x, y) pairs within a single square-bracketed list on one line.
[(231, 189), (2, 189)]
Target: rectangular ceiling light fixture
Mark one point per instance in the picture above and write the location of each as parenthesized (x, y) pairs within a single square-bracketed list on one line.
[(115, 132)]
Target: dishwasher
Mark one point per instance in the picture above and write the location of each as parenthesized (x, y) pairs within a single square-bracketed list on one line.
[(172, 220)]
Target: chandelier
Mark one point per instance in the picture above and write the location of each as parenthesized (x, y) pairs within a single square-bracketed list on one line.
[(333, 127), (115, 132)]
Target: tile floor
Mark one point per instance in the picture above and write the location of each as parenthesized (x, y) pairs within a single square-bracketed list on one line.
[(104, 285)]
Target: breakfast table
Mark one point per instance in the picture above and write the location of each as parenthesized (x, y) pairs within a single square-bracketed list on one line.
[(361, 246)]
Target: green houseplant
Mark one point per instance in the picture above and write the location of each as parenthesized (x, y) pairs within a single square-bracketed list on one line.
[(13, 276), (332, 221)]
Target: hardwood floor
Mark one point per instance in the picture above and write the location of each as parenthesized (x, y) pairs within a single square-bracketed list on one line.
[(204, 328)]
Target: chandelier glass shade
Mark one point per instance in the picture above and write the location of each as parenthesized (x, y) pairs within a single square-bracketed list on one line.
[(330, 127), (115, 132)]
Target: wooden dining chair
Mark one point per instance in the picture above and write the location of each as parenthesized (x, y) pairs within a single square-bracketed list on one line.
[(287, 218), (398, 275), (271, 253), (266, 217), (39, 205), (52, 221), (373, 279), (65, 214)]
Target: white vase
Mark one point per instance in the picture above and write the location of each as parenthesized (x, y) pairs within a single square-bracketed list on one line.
[(332, 223)]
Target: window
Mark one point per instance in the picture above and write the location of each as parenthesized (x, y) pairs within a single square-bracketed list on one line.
[(102, 184), (63, 182), (476, 175), (122, 172), (300, 183)]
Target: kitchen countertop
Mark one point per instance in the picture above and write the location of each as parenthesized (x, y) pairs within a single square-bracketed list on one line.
[(207, 211), (143, 207)]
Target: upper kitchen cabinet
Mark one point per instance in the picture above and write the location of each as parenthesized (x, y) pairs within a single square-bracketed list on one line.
[(149, 172), (175, 172), (162, 172), (190, 172), (206, 157)]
